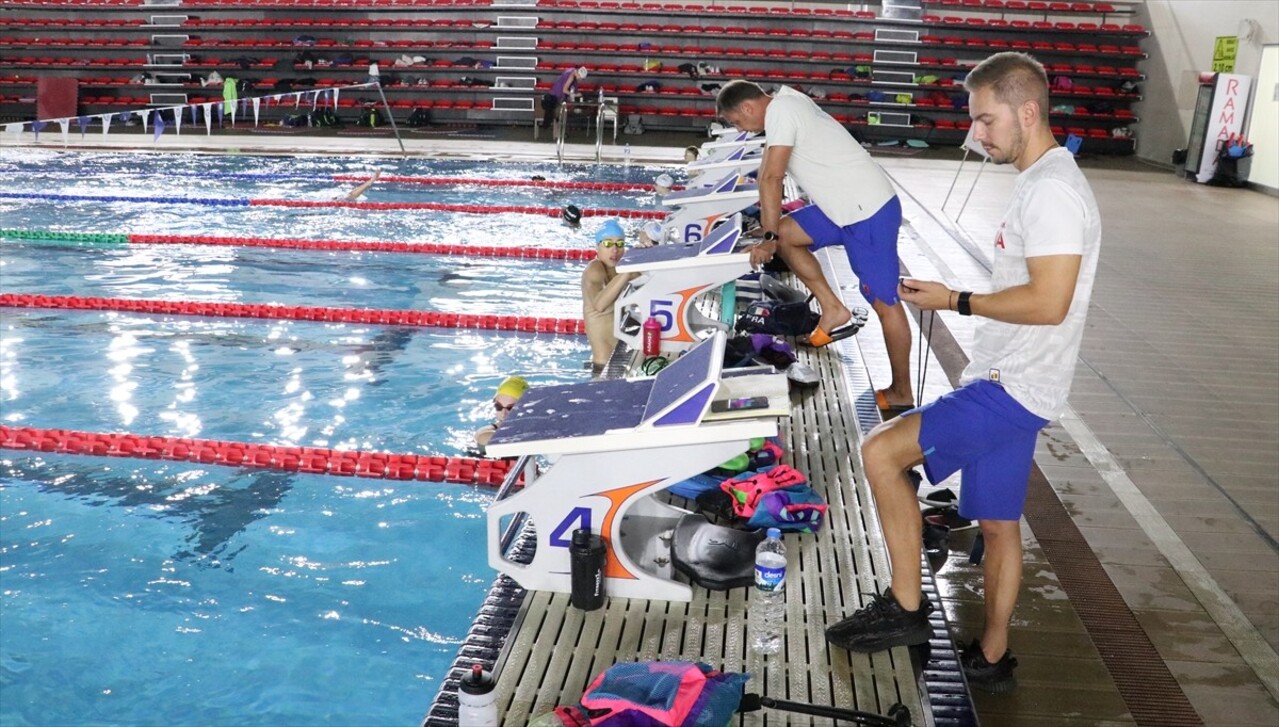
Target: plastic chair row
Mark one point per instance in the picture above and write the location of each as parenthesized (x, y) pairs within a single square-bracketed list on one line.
[(1033, 25), (73, 3), (1033, 6), (1035, 45), (703, 10), (89, 42), (67, 62), (75, 22), (345, 4), (337, 23)]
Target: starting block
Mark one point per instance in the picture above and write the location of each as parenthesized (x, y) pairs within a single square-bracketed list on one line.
[(698, 209), (672, 278), (713, 151), (613, 444), (743, 160)]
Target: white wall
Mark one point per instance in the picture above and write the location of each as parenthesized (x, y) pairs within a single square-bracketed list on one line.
[(1263, 123), (1180, 47)]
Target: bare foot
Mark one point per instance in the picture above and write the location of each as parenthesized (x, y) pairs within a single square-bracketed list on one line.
[(834, 318)]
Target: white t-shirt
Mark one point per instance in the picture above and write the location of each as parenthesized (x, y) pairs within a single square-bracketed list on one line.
[(826, 161), (1052, 212)]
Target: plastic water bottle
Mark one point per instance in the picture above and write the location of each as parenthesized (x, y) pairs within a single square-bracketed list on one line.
[(652, 337), (768, 605), (626, 155), (477, 699)]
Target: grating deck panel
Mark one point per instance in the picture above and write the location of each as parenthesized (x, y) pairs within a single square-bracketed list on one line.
[(557, 649)]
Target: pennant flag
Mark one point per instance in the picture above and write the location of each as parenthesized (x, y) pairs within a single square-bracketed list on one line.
[(221, 113), (297, 99), (208, 118), (106, 122), (145, 116), (14, 129), (159, 124), (65, 125), (335, 99), (257, 105), (83, 121), (315, 97), (36, 126), (177, 120), (194, 118)]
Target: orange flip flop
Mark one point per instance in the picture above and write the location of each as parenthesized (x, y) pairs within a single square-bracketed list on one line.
[(888, 411), (820, 337)]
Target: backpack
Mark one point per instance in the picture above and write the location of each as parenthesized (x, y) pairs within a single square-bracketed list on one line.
[(634, 125), (371, 117), (419, 117), (296, 120), (778, 318), (325, 118)]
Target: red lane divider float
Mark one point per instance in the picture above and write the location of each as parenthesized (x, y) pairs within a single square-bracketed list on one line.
[(300, 313), (315, 460), (450, 207), (547, 183), (430, 248)]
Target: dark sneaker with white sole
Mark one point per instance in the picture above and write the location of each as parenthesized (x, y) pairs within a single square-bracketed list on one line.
[(882, 624), (997, 678)]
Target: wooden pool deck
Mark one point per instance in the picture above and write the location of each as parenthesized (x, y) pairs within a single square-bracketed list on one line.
[(557, 650)]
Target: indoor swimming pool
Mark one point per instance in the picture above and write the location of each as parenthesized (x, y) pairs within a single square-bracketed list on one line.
[(162, 592)]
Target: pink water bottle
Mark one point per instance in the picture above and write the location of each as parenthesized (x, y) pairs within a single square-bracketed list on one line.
[(652, 337)]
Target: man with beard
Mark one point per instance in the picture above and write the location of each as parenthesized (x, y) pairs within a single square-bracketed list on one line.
[(1023, 360)]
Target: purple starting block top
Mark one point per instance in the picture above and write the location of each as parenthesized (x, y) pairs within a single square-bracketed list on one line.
[(721, 241), (575, 410), (731, 183), (679, 394), (737, 155)]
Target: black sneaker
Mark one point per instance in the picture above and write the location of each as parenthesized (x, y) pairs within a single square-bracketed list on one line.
[(882, 624), (995, 678)]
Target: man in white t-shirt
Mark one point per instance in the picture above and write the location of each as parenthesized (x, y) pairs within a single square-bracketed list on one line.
[(854, 206), (1023, 359)]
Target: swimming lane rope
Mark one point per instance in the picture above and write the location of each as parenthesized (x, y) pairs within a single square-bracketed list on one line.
[(430, 248), (314, 460), (543, 183), (433, 206), (419, 318), (430, 181)]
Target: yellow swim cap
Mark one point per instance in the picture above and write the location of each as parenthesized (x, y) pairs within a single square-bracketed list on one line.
[(513, 386)]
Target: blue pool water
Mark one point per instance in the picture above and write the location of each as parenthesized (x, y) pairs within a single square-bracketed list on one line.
[(146, 592)]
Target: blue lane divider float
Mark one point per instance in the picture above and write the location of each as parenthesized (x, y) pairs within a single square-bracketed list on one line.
[(206, 201)]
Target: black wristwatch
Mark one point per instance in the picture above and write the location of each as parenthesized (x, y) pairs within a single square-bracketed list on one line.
[(771, 236), (963, 305)]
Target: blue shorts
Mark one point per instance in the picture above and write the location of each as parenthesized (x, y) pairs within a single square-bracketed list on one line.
[(871, 246), (981, 430)]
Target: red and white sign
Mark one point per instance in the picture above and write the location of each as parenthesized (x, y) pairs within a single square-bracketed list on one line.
[(1229, 106)]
